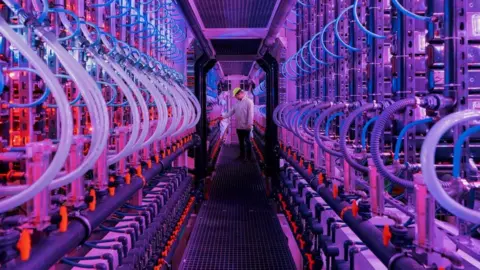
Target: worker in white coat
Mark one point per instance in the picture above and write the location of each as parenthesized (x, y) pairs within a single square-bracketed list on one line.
[(243, 111)]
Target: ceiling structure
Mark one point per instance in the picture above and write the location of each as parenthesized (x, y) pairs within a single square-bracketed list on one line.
[(234, 30), (236, 67)]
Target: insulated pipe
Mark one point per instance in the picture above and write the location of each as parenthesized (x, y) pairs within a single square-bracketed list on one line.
[(319, 122), (65, 119), (343, 136), (370, 235), (298, 124), (276, 25), (276, 114), (427, 159), (131, 100), (311, 113), (377, 133), (292, 115), (49, 250)]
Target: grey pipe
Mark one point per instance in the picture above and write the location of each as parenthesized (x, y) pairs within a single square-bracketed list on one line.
[(319, 122), (278, 20), (319, 107), (377, 133), (343, 136)]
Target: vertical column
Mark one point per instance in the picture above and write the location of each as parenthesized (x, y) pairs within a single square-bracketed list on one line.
[(270, 65), (202, 66)]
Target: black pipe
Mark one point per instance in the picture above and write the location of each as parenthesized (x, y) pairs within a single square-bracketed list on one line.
[(366, 231), (51, 249), (270, 65), (202, 66)]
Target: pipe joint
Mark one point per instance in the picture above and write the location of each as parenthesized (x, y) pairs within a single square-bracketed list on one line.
[(84, 221), (435, 102)]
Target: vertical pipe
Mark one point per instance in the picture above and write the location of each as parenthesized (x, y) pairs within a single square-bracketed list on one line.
[(202, 66), (270, 65)]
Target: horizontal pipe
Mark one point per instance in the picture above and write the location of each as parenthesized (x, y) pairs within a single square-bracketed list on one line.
[(51, 249), (276, 25), (366, 231), (189, 15)]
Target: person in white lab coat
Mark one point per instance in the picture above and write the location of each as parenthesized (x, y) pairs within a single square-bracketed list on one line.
[(243, 112)]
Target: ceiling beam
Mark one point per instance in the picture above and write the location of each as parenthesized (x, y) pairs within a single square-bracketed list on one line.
[(195, 26), (237, 58), (276, 24), (235, 33)]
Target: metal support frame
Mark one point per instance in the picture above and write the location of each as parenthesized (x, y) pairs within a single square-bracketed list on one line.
[(202, 66), (270, 65)]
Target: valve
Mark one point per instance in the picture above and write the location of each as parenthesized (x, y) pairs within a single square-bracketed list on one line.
[(91, 199), (387, 235), (62, 227), (24, 245), (111, 186)]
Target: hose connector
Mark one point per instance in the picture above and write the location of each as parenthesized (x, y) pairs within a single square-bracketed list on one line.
[(436, 102)]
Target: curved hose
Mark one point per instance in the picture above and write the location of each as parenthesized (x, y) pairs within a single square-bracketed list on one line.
[(427, 159), (365, 130), (360, 25), (320, 120), (377, 134), (343, 136), (64, 113), (329, 122), (298, 127), (310, 114), (402, 133), (337, 33), (457, 149), (408, 13)]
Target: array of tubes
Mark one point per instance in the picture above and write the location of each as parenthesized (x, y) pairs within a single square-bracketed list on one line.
[(310, 122), (307, 54), (143, 83)]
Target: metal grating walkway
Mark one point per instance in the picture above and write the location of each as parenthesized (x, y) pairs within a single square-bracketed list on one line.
[(237, 228)]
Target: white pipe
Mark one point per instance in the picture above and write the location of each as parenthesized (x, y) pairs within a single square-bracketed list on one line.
[(63, 112), (141, 101), (175, 119), (427, 158), (133, 105), (159, 103), (164, 99), (91, 94)]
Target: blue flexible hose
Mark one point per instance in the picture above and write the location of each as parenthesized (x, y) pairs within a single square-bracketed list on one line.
[(329, 121), (365, 130), (322, 41), (457, 149), (408, 13), (360, 25), (404, 130), (76, 32), (337, 33)]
